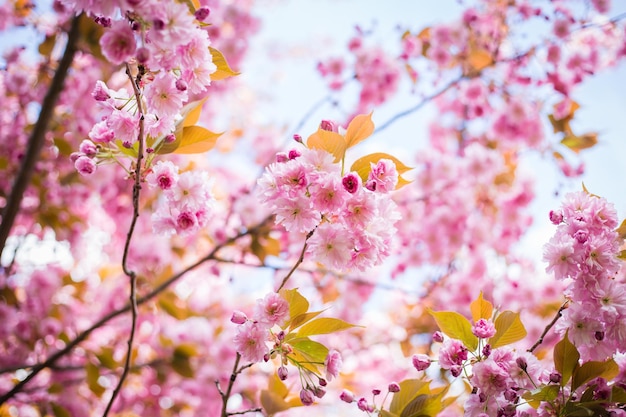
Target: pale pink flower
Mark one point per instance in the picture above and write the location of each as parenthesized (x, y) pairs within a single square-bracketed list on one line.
[(158, 127), (85, 165), (452, 353), (101, 132), (484, 329), (186, 221), (118, 42), (125, 125), (250, 341), (489, 377), (192, 188), (331, 246), (296, 214), (162, 96), (332, 364), (328, 194), (164, 174), (384, 175), (272, 309), (559, 253)]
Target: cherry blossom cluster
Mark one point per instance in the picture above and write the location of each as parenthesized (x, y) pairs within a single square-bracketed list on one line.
[(254, 334), (174, 64), (187, 199), (584, 250), (351, 223)]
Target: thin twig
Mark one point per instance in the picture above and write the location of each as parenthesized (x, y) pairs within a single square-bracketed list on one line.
[(558, 315), (36, 369), (132, 276), (38, 135), (298, 262), (252, 410), (419, 105), (231, 381)]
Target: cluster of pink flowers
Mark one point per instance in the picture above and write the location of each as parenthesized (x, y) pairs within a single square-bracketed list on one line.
[(584, 249), (187, 199), (352, 222), (175, 65)]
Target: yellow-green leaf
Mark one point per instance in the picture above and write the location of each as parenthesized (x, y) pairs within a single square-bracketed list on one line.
[(359, 129), (314, 351), (578, 143), (565, 359), (363, 166), (509, 329), (275, 385), (181, 364), (481, 308), (593, 369), (196, 139), (297, 303), (223, 69), (384, 413), (456, 326), (331, 142), (273, 403), (106, 357), (46, 47), (409, 389), (191, 112), (59, 411), (324, 325), (93, 373), (300, 319), (547, 393)]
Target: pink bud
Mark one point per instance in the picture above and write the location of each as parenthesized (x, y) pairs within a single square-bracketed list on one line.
[(376, 391), (438, 337), (282, 157), (85, 165), (556, 217), (306, 397), (239, 317), (283, 373), (143, 55), (421, 362), (456, 370), (294, 153), (351, 182), (319, 392), (297, 138), (328, 125), (346, 396), (181, 85), (202, 13), (170, 138), (394, 387), (88, 148)]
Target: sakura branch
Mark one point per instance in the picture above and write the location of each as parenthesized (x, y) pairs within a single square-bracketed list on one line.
[(549, 326), (37, 137), (69, 347), (298, 262), (129, 273), (231, 381)]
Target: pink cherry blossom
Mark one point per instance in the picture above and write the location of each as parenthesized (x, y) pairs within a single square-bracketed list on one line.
[(250, 341), (271, 310), (118, 42)]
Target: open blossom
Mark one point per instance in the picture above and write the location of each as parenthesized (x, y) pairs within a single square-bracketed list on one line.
[(164, 174), (452, 353), (118, 42), (333, 364), (250, 341), (331, 245), (271, 310), (484, 329), (490, 378), (162, 96), (383, 176)]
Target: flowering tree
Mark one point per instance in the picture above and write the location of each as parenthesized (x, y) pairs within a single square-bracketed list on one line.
[(142, 275)]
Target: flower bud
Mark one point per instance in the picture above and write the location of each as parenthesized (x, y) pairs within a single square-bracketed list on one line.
[(456, 370), (328, 125), (346, 396), (556, 217), (202, 13), (487, 350), (297, 138), (438, 337), (521, 362), (181, 85), (283, 373), (239, 317), (555, 377), (282, 157), (394, 387), (143, 55), (420, 361), (376, 391), (319, 392), (306, 397), (294, 153), (323, 382), (170, 138)]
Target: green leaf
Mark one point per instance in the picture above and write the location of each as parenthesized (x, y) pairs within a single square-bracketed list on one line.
[(297, 303), (223, 69), (509, 329), (565, 359), (455, 326), (106, 358), (409, 389), (359, 129), (578, 143), (303, 318), (415, 406), (481, 308), (181, 363), (362, 166), (273, 403), (593, 369), (384, 413), (324, 325), (93, 373), (314, 351), (547, 393), (331, 142), (618, 394), (59, 411)]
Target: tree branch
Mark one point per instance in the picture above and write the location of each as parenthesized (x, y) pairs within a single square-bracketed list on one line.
[(132, 276), (38, 135), (36, 369), (558, 315), (297, 264)]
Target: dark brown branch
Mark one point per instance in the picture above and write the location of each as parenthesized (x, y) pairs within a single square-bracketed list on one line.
[(297, 264), (231, 381), (558, 315), (36, 369), (132, 276), (38, 135)]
